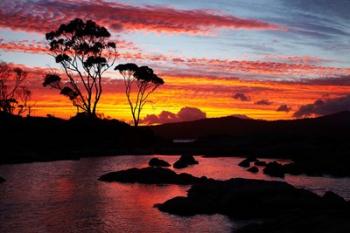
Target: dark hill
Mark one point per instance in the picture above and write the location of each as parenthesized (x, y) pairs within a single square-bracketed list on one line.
[(311, 139), (236, 127)]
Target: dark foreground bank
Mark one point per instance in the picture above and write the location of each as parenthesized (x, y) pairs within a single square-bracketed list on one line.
[(317, 146), (31, 139)]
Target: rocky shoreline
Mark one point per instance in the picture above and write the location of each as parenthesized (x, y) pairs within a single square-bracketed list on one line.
[(279, 206)]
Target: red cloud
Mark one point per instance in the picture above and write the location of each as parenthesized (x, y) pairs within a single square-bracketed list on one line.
[(185, 114), (43, 16), (23, 46), (196, 66), (296, 59), (267, 68)]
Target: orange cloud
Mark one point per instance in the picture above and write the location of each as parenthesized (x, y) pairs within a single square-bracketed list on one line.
[(43, 16)]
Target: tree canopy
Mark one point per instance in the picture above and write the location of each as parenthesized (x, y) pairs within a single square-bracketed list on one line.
[(85, 52), (140, 83)]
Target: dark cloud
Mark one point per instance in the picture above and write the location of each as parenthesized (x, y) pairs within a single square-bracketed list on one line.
[(241, 96), (185, 114), (283, 108), (263, 102), (324, 107), (336, 81)]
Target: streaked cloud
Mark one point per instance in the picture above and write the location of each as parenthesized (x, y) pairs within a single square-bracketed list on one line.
[(212, 95), (42, 16), (211, 67)]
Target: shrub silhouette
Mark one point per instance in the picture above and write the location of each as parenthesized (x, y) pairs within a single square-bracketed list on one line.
[(14, 95)]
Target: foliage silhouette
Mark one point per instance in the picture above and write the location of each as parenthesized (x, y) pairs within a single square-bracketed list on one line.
[(14, 95), (84, 51), (50, 138), (140, 83)]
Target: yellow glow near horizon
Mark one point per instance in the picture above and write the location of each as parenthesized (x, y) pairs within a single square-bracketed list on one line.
[(214, 96)]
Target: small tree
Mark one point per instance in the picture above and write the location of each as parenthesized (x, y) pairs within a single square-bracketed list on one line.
[(85, 53), (140, 83), (14, 96)]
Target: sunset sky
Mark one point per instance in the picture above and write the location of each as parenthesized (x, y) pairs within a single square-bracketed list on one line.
[(266, 59)]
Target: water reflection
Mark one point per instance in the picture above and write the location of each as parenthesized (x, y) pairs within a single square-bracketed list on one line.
[(65, 196)]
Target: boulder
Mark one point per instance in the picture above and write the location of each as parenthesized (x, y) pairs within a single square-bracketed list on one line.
[(184, 161), (246, 199), (244, 163), (274, 169), (253, 169), (155, 162), (260, 163), (151, 175)]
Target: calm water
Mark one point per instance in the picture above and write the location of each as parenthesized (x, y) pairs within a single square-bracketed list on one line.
[(65, 196)]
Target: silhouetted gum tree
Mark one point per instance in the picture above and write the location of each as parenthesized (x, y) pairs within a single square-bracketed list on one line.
[(85, 53), (14, 96), (140, 83)]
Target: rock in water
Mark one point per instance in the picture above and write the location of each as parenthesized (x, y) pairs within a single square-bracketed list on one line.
[(274, 169), (151, 175), (253, 169), (260, 163), (244, 163), (249, 199), (155, 162), (184, 161)]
